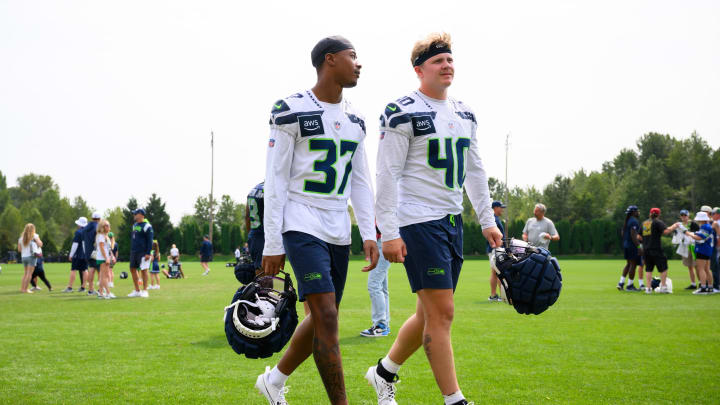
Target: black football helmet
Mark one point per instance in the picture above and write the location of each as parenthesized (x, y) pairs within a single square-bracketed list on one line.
[(529, 276), (262, 317)]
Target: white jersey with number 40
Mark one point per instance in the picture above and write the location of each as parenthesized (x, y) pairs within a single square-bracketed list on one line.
[(427, 153), (315, 162)]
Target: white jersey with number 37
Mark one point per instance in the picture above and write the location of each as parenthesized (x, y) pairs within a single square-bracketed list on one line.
[(315, 162), (427, 153)]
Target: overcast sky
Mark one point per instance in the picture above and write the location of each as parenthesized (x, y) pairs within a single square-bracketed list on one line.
[(114, 99)]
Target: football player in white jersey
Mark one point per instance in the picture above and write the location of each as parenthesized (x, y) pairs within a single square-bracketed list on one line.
[(427, 153), (316, 161)]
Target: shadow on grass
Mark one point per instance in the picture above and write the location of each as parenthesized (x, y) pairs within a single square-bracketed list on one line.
[(359, 340), (215, 342)]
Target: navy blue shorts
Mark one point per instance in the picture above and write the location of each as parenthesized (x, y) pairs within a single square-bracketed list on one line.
[(92, 264), (631, 253), (205, 259), (78, 264), (319, 267), (434, 253), (256, 243)]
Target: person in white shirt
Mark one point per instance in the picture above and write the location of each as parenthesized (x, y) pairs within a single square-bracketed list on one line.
[(428, 152), (316, 162), (237, 255), (29, 245), (174, 253), (540, 231), (104, 258)]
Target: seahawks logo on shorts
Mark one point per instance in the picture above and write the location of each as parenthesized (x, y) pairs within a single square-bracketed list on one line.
[(310, 125), (312, 276), (422, 125), (435, 271)]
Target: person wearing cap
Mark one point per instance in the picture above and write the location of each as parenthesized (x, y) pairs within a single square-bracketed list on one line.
[(704, 242), (89, 233), (77, 257), (689, 260), (632, 249), (715, 257), (654, 255), (497, 207), (206, 254), (540, 230), (316, 161), (428, 152), (140, 248)]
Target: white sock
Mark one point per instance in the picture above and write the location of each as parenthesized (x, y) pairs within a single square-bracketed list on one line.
[(642, 284), (390, 365), (277, 378), (631, 281), (622, 279), (453, 398)]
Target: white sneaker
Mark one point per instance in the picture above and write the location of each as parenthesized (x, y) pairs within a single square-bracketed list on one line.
[(385, 391), (144, 294), (101, 296), (648, 290), (663, 289), (157, 286), (111, 295), (135, 294), (274, 395), (206, 272)]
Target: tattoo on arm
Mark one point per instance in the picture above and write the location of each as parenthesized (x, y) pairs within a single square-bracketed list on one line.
[(329, 364), (426, 345)]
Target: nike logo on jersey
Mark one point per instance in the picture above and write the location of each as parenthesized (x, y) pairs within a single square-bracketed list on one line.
[(391, 108), (278, 106)]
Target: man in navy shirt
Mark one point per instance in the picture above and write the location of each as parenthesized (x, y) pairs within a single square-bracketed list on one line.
[(140, 247), (77, 256), (497, 208), (632, 249), (88, 235), (206, 251)]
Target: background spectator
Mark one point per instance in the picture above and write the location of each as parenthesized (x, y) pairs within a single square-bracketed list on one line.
[(540, 230), (206, 252), (28, 246)]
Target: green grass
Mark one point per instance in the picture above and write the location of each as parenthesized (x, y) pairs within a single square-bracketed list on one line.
[(596, 345)]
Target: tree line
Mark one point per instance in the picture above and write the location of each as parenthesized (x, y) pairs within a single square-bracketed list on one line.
[(588, 208)]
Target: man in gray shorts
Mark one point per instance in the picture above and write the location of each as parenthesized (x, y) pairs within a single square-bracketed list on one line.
[(539, 230)]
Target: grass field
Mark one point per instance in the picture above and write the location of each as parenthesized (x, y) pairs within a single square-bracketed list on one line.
[(595, 346)]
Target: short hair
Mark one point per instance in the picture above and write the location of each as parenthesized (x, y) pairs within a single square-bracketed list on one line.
[(541, 207), (421, 46)]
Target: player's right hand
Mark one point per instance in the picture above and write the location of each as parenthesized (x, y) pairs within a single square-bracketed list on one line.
[(273, 264), (394, 250)]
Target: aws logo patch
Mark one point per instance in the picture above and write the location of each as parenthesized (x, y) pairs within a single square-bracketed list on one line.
[(311, 125), (422, 125)]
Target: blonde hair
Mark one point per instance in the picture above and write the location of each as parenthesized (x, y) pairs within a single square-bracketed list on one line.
[(422, 46), (101, 227), (28, 234)]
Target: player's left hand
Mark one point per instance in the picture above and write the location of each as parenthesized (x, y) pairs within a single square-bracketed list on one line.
[(147, 257), (493, 236), (372, 254)]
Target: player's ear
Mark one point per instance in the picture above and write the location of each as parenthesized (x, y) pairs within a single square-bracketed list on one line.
[(330, 59), (418, 72)]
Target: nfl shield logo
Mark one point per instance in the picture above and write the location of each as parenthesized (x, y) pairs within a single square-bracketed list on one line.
[(451, 125), (382, 135), (271, 143), (337, 124)]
